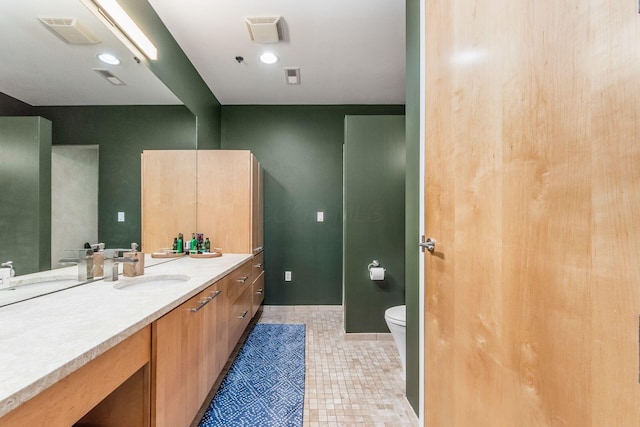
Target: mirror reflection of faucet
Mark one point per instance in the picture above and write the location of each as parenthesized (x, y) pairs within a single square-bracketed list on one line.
[(84, 260), (6, 273)]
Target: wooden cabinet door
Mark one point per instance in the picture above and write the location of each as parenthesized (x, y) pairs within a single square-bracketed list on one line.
[(179, 363), (258, 293), (257, 206), (224, 199), (168, 196)]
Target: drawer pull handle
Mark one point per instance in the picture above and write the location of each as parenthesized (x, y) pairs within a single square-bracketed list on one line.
[(258, 265), (214, 295), (259, 292), (258, 249), (242, 279), (242, 316), (202, 304)]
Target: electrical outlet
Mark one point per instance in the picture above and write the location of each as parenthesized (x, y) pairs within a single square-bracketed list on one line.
[(287, 276), (120, 216), (320, 216)]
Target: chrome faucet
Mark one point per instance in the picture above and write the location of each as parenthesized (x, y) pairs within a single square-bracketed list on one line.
[(111, 260), (84, 262), (6, 273)]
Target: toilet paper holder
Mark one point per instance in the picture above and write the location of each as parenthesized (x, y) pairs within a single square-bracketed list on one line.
[(376, 273)]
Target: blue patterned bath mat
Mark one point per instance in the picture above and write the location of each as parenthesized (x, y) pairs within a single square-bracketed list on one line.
[(265, 384)]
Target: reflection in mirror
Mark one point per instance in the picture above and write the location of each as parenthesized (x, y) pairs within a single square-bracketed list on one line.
[(51, 93)]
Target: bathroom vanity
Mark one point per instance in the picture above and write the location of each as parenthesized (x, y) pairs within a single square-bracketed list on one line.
[(139, 351)]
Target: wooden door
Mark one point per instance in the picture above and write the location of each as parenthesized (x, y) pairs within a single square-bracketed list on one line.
[(532, 195), (168, 197), (224, 199), (257, 210)]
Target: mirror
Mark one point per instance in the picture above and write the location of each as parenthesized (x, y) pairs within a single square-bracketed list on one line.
[(54, 85)]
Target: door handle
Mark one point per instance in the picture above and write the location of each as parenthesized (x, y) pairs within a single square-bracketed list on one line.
[(428, 244)]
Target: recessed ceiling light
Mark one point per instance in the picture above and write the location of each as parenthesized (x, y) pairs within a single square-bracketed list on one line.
[(107, 58), (268, 58)]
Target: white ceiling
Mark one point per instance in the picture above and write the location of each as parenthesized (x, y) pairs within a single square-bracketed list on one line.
[(348, 51), (38, 68)]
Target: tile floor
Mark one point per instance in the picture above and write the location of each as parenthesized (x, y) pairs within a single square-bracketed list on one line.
[(350, 380)]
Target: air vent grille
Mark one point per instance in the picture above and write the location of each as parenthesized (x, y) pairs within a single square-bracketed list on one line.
[(70, 30), (292, 75), (264, 29), (110, 77)]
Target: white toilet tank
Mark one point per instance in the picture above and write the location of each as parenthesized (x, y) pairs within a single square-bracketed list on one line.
[(396, 318)]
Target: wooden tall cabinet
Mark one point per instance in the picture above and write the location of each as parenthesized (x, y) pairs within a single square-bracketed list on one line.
[(229, 188), (215, 192), (168, 196)]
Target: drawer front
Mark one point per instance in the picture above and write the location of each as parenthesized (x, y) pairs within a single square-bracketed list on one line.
[(258, 265), (239, 316), (258, 293), (239, 280)]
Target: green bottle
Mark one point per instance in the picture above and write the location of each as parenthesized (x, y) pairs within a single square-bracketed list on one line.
[(180, 244), (207, 245), (194, 244)]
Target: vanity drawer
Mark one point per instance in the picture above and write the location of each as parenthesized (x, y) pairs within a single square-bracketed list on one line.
[(258, 264), (239, 280), (239, 316), (258, 293)]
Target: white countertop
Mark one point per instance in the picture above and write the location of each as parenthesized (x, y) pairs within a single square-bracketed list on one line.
[(44, 339)]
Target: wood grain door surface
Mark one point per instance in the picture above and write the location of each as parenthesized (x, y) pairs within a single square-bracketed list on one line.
[(532, 194)]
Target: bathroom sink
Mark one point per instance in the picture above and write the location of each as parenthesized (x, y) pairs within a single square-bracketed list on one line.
[(156, 281)]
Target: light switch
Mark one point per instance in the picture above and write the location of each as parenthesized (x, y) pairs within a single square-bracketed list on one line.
[(320, 216), (120, 216), (287, 276)]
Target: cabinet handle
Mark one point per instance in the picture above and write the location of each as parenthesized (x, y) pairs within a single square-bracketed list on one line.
[(242, 316), (258, 265), (214, 295), (242, 279), (258, 249), (259, 292), (202, 304)]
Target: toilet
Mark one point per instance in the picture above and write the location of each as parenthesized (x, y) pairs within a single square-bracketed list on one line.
[(396, 318)]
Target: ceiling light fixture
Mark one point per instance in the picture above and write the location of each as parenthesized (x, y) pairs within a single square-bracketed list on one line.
[(268, 58), (121, 24), (107, 58)]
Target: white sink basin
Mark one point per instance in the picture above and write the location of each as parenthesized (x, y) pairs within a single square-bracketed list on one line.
[(155, 281)]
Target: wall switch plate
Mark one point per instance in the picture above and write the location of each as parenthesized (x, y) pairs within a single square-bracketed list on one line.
[(120, 216), (320, 216), (287, 276)]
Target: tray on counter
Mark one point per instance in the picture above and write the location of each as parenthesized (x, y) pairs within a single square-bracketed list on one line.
[(206, 255), (167, 255)]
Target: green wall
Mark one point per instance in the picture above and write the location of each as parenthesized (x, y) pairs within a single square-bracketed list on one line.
[(12, 107), (300, 150), (412, 200), (121, 132), (178, 74), (373, 219), (25, 177)]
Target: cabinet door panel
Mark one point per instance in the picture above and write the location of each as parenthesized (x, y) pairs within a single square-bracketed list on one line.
[(224, 198), (258, 293), (168, 196)]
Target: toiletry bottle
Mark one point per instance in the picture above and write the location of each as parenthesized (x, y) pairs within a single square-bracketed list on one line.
[(194, 243), (175, 244), (180, 243), (207, 245)]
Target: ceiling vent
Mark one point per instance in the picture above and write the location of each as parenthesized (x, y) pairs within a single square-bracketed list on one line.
[(293, 75), (70, 30), (264, 29), (110, 77)]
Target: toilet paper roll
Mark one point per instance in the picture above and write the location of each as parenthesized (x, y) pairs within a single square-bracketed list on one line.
[(376, 273)]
